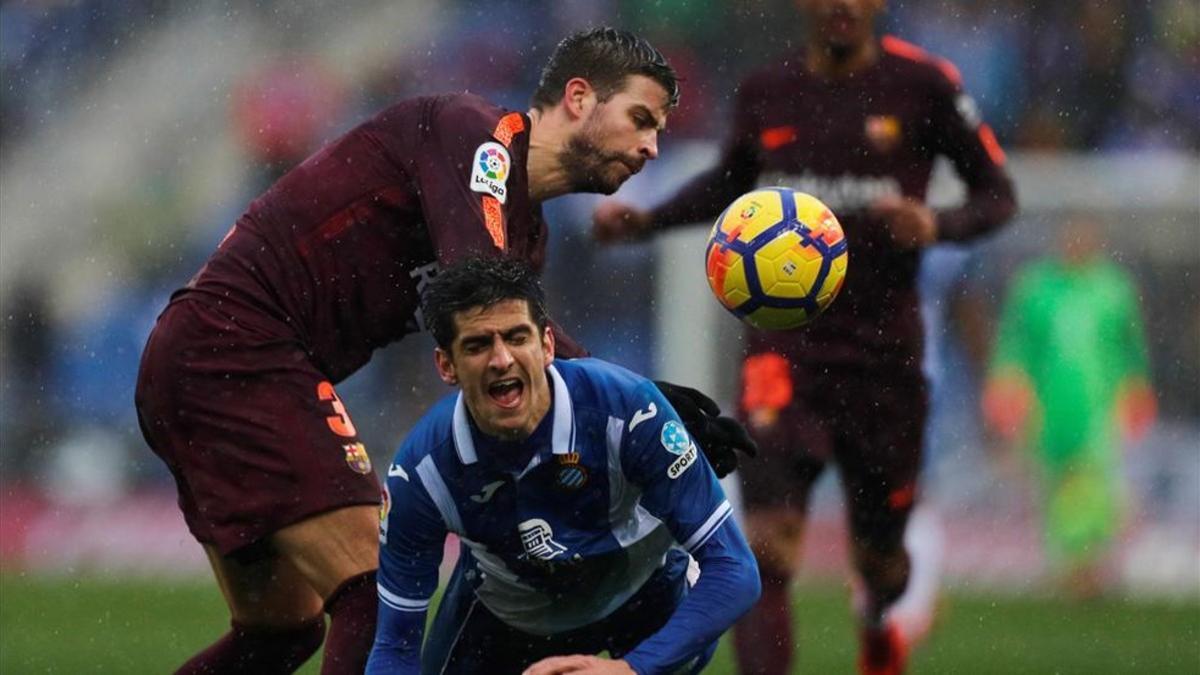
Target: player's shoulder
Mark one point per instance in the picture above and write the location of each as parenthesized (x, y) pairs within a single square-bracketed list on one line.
[(471, 114), (915, 64), (595, 383), (775, 72), (433, 433)]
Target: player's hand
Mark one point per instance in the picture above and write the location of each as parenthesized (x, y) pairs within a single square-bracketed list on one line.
[(912, 224), (578, 663), (721, 438), (614, 221), (1007, 403), (1136, 409)]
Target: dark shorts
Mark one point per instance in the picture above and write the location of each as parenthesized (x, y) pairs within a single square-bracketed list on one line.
[(253, 433), (467, 638), (870, 423)]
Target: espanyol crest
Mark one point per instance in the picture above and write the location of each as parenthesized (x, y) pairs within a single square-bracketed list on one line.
[(675, 438)]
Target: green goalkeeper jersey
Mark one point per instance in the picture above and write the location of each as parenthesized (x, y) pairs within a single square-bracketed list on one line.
[(1076, 332)]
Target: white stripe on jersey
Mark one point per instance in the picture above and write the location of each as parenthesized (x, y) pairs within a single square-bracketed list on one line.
[(706, 530), (402, 604), (562, 439), (436, 487), (628, 520)]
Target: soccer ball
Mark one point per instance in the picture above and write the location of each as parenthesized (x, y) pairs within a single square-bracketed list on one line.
[(776, 258)]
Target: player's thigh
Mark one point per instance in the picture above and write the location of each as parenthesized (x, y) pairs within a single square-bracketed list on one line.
[(879, 455), (331, 547), (467, 638), (263, 589), (255, 435)]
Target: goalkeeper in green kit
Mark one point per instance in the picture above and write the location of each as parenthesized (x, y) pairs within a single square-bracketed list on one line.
[(1070, 372)]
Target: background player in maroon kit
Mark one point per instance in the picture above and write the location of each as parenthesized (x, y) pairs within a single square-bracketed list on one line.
[(235, 391), (856, 120)]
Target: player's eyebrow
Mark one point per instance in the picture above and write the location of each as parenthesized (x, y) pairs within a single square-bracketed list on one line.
[(641, 109)]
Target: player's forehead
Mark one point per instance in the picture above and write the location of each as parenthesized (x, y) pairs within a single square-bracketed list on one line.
[(641, 91), (484, 321)]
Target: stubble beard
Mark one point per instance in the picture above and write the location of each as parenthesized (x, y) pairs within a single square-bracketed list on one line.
[(587, 165)]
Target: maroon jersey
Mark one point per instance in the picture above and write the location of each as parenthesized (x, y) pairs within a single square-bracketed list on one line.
[(848, 142), (337, 252)]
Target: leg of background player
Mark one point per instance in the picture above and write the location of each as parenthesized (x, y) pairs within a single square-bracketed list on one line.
[(913, 613), (276, 618), (885, 574), (763, 637), (338, 553)]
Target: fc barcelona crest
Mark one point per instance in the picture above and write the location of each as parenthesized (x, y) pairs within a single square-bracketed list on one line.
[(357, 458), (883, 132), (571, 474)]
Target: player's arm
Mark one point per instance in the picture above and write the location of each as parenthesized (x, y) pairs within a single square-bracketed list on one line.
[(1008, 396), (680, 489), (957, 131), (702, 197), (411, 540), (1137, 406)]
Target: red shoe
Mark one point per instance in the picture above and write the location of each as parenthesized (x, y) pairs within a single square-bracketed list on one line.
[(883, 651)]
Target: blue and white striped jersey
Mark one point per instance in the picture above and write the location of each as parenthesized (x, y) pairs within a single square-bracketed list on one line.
[(564, 526)]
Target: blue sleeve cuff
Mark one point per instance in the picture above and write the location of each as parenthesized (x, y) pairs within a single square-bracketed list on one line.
[(398, 636)]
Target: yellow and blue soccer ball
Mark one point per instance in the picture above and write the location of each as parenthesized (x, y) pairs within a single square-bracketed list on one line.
[(776, 258)]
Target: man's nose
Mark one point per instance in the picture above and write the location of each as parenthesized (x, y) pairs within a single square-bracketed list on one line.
[(649, 148), (502, 358)]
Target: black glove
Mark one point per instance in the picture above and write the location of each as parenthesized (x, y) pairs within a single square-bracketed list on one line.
[(720, 437)]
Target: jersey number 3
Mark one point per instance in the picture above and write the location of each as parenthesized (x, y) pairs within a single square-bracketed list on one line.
[(339, 422)]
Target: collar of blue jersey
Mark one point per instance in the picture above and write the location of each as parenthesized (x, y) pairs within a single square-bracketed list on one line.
[(562, 437)]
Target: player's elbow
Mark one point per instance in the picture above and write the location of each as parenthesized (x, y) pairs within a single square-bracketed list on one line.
[(749, 586)]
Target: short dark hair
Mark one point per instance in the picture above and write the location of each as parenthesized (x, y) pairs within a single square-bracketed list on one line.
[(604, 57), (479, 282)]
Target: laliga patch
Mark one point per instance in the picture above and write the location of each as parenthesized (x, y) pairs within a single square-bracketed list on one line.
[(357, 458), (685, 462), (675, 438), (490, 169)]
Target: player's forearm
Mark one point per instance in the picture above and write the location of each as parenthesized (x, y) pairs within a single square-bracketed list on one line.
[(728, 587), (703, 197), (989, 205), (398, 636)]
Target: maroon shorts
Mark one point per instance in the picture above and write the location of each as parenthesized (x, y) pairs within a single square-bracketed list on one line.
[(870, 423), (253, 433)]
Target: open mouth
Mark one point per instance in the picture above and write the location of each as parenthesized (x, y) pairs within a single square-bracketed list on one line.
[(506, 393)]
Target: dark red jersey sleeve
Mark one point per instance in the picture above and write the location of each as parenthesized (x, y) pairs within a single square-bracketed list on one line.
[(703, 197), (466, 172), (956, 131)]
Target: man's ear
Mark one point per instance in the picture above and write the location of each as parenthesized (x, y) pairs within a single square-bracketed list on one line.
[(548, 344), (445, 366), (578, 97)]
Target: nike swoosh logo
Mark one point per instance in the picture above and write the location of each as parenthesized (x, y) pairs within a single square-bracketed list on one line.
[(397, 470), (643, 415), (488, 491)]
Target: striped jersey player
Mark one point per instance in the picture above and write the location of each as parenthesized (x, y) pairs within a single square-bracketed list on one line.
[(576, 518)]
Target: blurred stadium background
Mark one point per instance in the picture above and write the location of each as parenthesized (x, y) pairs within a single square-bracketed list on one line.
[(132, 133)]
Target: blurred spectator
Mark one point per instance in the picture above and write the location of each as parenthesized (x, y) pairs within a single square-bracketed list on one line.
[(283, 111), (1070, 370)]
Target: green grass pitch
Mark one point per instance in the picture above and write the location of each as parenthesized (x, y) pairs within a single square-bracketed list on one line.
[(63, 625)]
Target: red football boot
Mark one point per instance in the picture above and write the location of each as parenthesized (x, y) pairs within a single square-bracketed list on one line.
[(883, 651)]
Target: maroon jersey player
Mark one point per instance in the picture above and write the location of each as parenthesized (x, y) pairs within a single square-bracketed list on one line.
[(236, 388), (857, 120)]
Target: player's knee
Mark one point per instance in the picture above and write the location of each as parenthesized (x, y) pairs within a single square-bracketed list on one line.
[(333, 547)]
